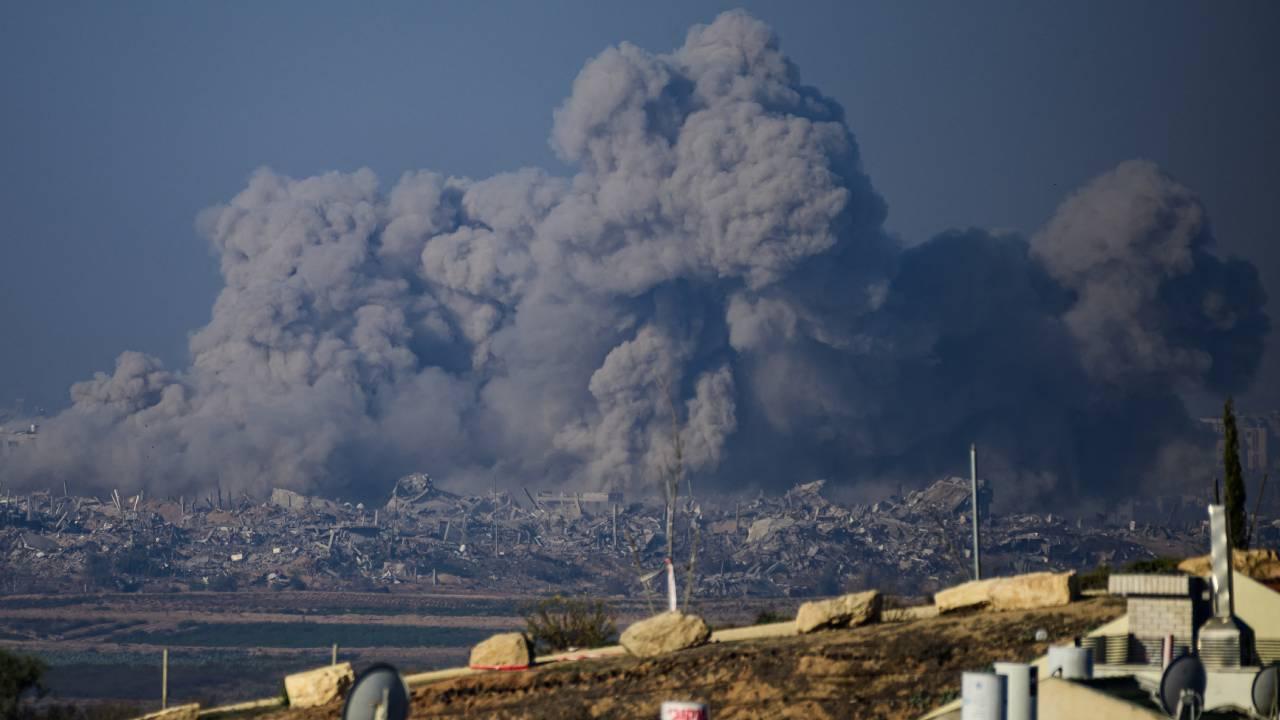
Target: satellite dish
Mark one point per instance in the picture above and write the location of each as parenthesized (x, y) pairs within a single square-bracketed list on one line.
[(379, 694), (1266, 691), (1182, 688)]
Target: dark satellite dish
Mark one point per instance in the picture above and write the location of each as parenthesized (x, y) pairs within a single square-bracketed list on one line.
[(1266, 689), (1182, 688), (379, 694)]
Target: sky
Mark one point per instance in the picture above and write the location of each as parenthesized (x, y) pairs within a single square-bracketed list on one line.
[(122, 121)]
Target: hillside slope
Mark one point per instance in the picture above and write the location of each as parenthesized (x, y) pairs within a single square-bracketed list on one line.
[(892, 670)]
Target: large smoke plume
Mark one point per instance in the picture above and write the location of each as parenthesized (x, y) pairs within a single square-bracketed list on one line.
[(717, 263)]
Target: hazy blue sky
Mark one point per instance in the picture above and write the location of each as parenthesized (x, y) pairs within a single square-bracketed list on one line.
[(120, 121)]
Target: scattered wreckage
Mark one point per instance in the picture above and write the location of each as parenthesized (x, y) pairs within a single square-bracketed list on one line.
[(423, 537)]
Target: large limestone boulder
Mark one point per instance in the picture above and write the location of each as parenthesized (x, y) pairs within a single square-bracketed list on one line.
[(178, 712), (845, 611), (664, 633), (1019, 592), (505, 651), (1258, 564), (1034, 590), (975, 593), (314, 688)]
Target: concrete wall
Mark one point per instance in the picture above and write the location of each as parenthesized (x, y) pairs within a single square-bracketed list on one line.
[(1154, 618), (1259, 607), (1153, 585), (1158, 605)]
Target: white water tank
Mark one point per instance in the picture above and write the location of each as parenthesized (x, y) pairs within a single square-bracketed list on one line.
[(1020, 689), (1070, 662), (982, 696)]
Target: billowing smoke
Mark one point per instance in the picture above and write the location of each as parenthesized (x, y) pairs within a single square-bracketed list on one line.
[(716, 268)]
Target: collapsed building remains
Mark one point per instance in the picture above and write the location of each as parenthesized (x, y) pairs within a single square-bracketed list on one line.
[(423, 537)]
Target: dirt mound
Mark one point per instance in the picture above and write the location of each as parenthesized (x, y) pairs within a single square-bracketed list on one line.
[(892, 670), (1259, 564)]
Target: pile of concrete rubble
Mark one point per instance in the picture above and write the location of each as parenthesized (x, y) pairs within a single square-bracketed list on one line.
[(424, 538)]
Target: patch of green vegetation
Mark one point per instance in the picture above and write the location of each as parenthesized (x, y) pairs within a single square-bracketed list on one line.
[(560, 623), (19, 675), (1155, 566), (46, 601), (65, 658), (75, 711), (137, 560), (1095, 579), (306, 635), (472, 608), (223, 583), (768, 617), (52, 626)]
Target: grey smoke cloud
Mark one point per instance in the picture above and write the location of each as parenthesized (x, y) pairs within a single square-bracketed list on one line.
[(1134, 246), (719, 254)]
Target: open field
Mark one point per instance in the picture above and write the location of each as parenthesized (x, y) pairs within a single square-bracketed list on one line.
[(225, 647), (228, 646)]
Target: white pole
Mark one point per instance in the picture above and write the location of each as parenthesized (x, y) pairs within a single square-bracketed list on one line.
[(671, 586), (973, 478)]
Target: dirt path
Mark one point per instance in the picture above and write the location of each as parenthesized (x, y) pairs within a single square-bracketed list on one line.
[(894, 670)]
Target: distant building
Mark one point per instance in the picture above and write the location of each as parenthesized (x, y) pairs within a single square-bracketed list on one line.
[(11, 440), (1254, 431), (547, 497), (1162, 510)]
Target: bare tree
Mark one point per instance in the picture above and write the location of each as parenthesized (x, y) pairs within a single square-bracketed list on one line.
[(635, 557), (691, 577), (672, 473)]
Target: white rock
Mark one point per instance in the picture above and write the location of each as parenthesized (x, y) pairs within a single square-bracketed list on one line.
[(664, 633), (319, 687)]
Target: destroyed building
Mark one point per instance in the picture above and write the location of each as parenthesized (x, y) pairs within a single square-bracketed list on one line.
[(423, 537)]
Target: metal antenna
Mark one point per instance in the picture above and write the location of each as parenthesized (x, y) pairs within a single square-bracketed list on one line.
[(1189, 705)]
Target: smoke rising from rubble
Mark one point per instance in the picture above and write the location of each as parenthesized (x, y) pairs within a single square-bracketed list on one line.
[(718, 255)]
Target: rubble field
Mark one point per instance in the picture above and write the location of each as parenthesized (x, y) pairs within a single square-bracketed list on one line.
[(426, 539), (243, 589), (890, 670)]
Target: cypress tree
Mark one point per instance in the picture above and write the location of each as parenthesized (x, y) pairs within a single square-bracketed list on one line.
[(1233, 479)]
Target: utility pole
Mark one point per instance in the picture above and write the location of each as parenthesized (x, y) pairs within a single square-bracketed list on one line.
[(973, 479), (164, 679)]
